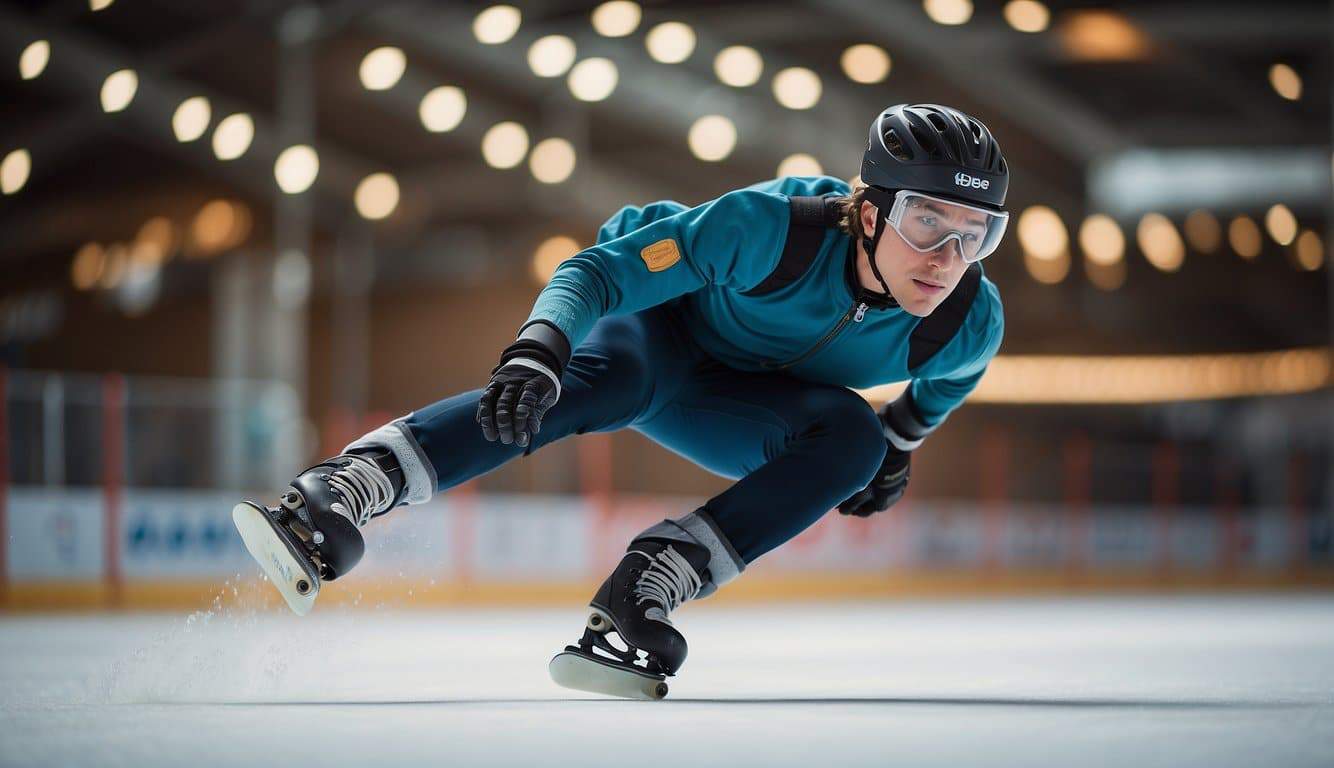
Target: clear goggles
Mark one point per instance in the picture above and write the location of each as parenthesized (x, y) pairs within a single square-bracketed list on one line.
[(927, 223)]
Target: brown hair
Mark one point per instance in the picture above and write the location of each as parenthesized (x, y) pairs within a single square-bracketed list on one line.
[(850, 207)]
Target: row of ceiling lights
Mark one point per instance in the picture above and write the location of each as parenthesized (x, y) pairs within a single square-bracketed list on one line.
[(1091, 34), (670, 42), (295, 168), (1045, 242), (711, 137)]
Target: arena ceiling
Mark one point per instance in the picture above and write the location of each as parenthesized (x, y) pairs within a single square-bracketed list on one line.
[(1100, 80)]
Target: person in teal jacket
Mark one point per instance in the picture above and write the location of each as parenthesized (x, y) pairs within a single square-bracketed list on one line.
[(692, 326)]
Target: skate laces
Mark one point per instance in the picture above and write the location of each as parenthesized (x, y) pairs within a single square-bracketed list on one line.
[(364, 487), (669, 580)]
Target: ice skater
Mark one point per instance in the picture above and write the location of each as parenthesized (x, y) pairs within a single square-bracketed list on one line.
[(729, 333)]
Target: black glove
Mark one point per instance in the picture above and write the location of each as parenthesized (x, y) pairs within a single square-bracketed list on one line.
[(887, 487), (904, 431), (524, 385)]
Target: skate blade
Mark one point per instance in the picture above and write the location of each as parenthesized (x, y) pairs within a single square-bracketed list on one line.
[(578, 671), (294, 578)]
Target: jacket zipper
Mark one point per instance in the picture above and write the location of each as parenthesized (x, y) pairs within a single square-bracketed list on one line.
[(855, 313)]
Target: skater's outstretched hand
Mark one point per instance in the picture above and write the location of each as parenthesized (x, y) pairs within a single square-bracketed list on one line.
[(904, 430), (524, 385), (887, 487)]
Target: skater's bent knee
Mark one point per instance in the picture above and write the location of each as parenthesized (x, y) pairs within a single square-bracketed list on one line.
[(851, 424)]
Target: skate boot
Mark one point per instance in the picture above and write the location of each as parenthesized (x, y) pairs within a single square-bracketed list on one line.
[(661, 569), (312, 535)]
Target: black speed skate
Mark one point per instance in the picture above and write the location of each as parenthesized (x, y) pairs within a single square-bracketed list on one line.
[(655, 577), (312, 536)]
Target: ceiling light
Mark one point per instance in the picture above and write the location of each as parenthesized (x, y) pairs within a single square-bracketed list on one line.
[(550, 254), (496, 24), (712, 138), (1101, 240), (382, 68), (617, 18), (376, 196), (552, 161), (86, 269), (1045, 243), (1282, 225), (1042, 233), (593, 79), (865, 63), (1160, 243), (219, 225), (159, 235), (738, 66), (1202, 231), (442, 109), (1310, 251), (118, 90), (551, 56), (14, 171), (1027, 15), (1097, 35), (296, 169), (797, 88), (1285, 81), (34, 58), (948, 12), (190, 120), (1244, 236), (670, 42), (505, 145), (800, 164), (233, 135)]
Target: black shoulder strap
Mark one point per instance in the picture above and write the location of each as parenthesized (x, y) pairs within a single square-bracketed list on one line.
[(936, 329), (808, 219)]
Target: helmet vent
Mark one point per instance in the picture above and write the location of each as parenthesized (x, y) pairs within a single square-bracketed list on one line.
[(895, 146), (925, 140), (937, 121)]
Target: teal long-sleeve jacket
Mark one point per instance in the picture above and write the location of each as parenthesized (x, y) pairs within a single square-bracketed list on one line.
[(709, 255)]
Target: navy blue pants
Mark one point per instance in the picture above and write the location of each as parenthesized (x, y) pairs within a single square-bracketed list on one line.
[(796, 448)]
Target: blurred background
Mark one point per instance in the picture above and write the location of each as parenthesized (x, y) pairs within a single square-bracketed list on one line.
[(237, 235)]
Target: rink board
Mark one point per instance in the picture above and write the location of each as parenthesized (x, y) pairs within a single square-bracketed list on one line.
[(162, 547)]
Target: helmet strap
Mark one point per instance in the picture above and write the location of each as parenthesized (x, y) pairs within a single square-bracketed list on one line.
[(869, 244)]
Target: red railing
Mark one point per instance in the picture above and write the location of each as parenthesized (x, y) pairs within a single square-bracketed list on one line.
[(4, 484), (113, 478)]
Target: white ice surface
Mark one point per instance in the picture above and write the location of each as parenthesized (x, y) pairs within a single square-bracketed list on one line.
[(1143, 682)]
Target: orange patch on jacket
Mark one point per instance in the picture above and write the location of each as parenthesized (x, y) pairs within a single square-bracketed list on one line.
[(661, 255)]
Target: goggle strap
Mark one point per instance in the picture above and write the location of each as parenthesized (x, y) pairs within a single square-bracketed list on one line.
[(883, 199)]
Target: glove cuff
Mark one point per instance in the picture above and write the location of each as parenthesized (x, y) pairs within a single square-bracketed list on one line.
[(542, 342), (904, 427)]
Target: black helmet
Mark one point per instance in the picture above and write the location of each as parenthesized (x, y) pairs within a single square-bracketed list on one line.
[(938, 150)]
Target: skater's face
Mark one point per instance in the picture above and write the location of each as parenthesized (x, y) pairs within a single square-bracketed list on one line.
[(918, 280)]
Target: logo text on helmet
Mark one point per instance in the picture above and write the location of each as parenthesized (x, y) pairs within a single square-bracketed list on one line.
[(964, 180)]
